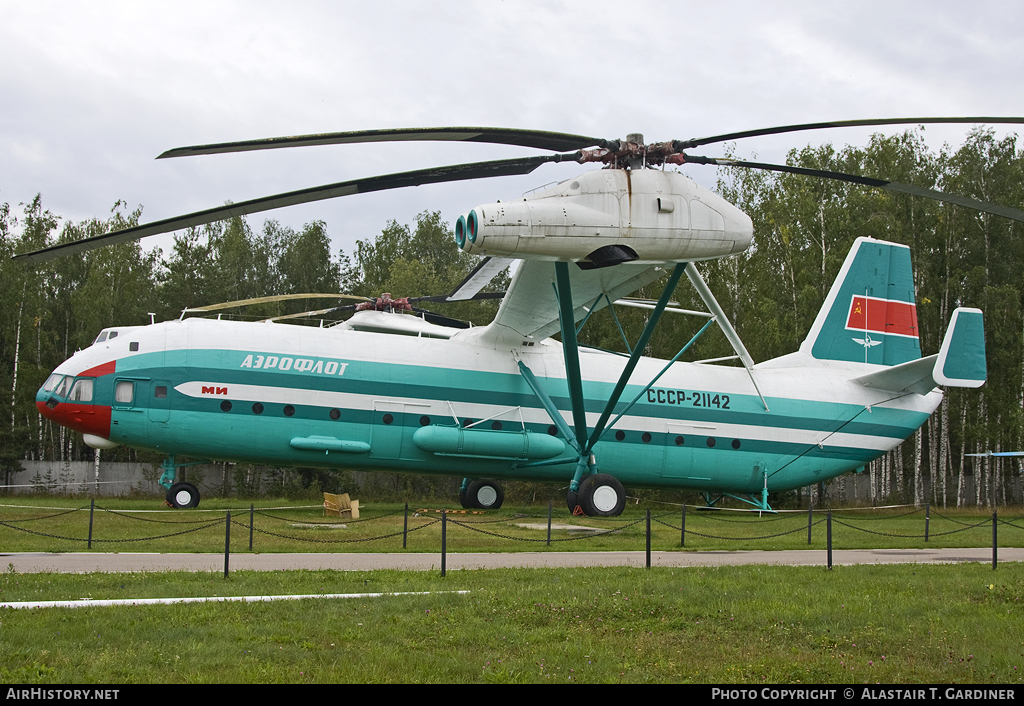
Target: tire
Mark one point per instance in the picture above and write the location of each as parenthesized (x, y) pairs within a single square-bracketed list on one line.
[(602, 495), (572, 500), (183, 495), (485, 495)]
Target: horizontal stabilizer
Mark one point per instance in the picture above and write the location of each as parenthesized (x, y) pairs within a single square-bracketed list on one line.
[(913, 376), (961, 360), (959, 363)]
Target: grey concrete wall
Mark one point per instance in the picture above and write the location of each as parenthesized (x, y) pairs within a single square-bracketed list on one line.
[(114, 479), (125, 479)]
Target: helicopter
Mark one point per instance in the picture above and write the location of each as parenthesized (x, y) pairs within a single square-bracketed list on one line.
[(505, 401)]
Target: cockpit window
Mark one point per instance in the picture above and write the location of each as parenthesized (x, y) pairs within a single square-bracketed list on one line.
[(82, 391), (62, 388), (101, 338), (51, 382), (112, 334)]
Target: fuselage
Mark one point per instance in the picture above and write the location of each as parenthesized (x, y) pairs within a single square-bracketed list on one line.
[(339, 397)]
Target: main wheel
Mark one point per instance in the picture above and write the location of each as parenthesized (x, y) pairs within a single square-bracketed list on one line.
[(484, 494), (183, 495), (602, 495)]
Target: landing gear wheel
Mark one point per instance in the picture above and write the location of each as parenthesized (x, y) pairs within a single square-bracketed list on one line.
[(484, 494), (183, 495), (602, 495), (573, 501)]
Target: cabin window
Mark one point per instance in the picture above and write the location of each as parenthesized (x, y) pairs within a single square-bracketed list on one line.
[(335, 414), (388, 418), (620, 435), (82, 391), (288, 410), (496, 426), (735, 443), (51, 382), (552, 430), (646, 438), (680, 441), (711, 442), (160, 392), (424, 420), (225, 406), (124, 392), (133, 346), (257, 408)]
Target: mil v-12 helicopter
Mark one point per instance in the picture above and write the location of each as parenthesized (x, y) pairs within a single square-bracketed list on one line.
[(505, 401)]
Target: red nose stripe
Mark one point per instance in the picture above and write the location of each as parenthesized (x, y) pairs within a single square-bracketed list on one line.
[(99, 370)]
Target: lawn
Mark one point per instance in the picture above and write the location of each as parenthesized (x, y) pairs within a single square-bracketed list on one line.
[(755, 624)]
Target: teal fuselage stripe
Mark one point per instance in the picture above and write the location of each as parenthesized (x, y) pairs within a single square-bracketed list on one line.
[(199, 427)]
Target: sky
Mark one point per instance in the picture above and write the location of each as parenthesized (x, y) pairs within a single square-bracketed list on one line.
[(91, 92)]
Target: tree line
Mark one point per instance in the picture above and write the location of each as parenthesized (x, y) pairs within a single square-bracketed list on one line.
[(803, 229)]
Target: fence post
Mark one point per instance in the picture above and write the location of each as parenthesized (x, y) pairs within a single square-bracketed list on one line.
[(444, 548), (549, 523), (828, 526), (252, 515), (682, 533), (227, 541), (648, 538), (810, 512), (92, 506), (927, 516), (994, 542), (405, 527)]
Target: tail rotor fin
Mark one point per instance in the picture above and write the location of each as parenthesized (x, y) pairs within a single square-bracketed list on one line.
[(870, 314)]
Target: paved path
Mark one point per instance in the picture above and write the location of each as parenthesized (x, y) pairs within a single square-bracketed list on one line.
[(35, 562)]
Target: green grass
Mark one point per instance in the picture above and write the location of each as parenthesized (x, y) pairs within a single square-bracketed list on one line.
[(755, 624), (116, 528)]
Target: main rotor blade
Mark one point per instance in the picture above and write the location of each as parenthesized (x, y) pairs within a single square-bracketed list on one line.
[(1004, 211), (434, 175), (273, 298), (486, 270), (694, 142), (555, 141)]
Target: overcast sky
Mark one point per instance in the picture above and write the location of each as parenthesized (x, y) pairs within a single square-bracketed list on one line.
[(92, 91)]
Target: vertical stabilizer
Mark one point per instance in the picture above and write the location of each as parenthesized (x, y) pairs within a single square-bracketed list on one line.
[(870, 315)]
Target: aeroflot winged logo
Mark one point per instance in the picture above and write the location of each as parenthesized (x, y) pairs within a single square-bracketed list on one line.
[(883, 316)]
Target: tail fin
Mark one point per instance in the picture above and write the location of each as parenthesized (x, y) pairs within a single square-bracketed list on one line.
[(870, 315)]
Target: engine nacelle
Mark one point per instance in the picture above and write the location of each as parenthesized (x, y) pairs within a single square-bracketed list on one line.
[(658, 216)]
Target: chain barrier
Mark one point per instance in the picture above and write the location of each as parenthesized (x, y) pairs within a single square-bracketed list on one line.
[(801, 529), (47, 517), (475, 525), (912, 536), (527, 539), (139, 539), (950, 519), (1010, 523), (324, 522), (146, 519), (333, 541), (884, 517), (774, 518)]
